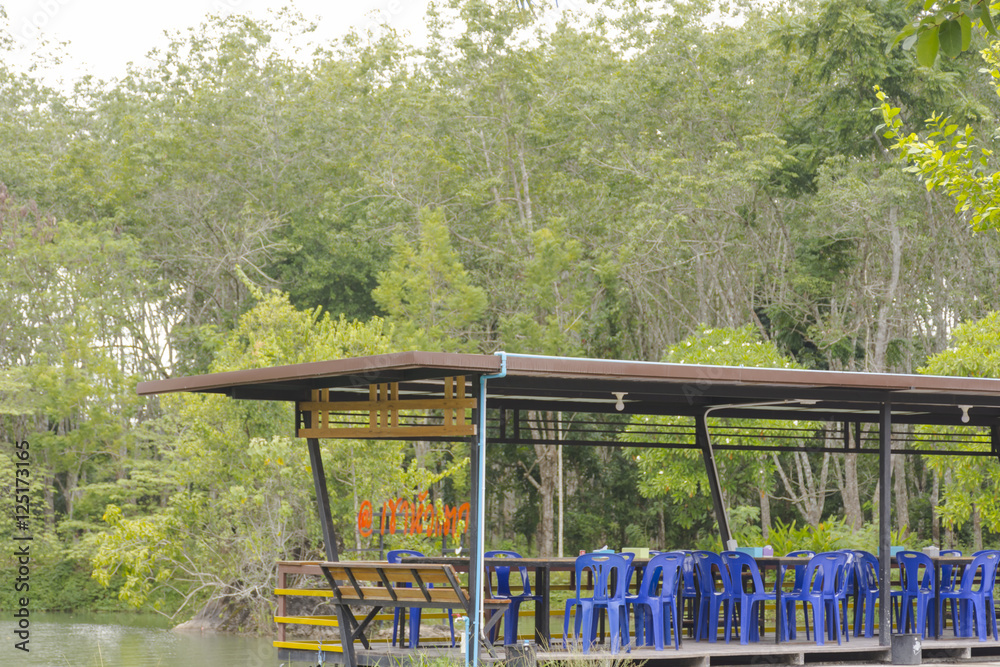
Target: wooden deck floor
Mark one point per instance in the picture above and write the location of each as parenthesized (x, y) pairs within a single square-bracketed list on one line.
[(692, 654)]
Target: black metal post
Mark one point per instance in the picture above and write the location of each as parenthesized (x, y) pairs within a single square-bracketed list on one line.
[(381, 533), (330, 542), (705, 442), (995, 440), (884, 523), (322, 500), (475, 588)]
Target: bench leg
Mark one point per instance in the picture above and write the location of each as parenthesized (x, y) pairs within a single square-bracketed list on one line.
[(495, 616), (346, 636)]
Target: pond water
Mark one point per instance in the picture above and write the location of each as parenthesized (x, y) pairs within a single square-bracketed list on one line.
[(126, 640)]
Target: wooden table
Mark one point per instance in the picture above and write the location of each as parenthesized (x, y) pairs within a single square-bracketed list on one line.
[(542, 567), (954, 561), (776, 563)]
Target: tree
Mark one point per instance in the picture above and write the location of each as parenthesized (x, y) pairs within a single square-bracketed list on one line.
[(970, 483), (680, 474), (951, 157), (947, 27), (237, 504), (428, 293)]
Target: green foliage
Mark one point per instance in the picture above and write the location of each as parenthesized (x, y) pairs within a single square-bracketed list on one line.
[(428, 293), (679, 474), (830, 535), (556, 294), (236, 502), (577, 186), (970, 482), (947, 26), (973, 351), (948, 159)]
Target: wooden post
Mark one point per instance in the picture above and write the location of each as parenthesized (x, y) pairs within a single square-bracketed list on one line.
[(282, 604)]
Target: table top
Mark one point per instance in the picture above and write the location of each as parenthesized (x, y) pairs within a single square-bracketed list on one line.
[(554, 562), (557, 562), (568, 562)]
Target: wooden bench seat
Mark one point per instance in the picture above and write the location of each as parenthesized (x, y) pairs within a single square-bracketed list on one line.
[(381, 585)]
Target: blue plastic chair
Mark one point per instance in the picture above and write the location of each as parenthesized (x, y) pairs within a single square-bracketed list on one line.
[(949, 580), (395, 556), (716, 595), (748, 600), (818, 588), (975, 597), (690, 589), (917, 578), (606, 568), (842, 590), (655, 601), (502, 591), (629, 558), (866, 569), (790, 632)]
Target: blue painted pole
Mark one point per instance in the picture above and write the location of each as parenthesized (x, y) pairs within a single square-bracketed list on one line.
[(477, 566)]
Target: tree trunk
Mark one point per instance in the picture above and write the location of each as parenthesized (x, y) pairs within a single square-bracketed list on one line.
[(545, 427), (765, 507), (935, 519), (949, 535), (808, 492), (977, 529), (901, 502), (883, 329), (354, 492), (661, 542), (849, 488), (548, 472)]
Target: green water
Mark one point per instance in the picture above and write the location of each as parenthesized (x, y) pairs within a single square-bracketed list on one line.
[(125, 640)]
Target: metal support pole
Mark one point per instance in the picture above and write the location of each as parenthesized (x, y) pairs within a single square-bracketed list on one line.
[(477, 513), (884, 523), (330, 542), (995, 440), (474, 586), (322, 500), (705, 442)]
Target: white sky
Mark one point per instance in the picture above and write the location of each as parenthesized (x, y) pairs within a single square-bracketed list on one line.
[(104, 35)]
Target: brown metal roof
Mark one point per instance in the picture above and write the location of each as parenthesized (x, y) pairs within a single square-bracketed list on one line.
[(587, 385)]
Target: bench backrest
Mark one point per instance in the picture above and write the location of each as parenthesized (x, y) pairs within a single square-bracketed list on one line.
[(395, 584)]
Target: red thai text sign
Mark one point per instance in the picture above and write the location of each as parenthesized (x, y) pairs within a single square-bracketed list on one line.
[(415, 518)]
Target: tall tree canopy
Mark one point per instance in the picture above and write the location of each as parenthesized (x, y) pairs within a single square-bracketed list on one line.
[(614, 180)]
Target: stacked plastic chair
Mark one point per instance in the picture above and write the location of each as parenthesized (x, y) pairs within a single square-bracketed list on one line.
[(629, 557), (690, 588), (949, 580), (790, 631), (747, 600), (918, 588), (838, 625), (503, 591), (866, 568), (819, 589), (607, 569), (716, 588), (974, 596), (395, 556), (654, 605)]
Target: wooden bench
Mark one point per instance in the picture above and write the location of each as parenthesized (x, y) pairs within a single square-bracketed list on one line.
[(380, 585)]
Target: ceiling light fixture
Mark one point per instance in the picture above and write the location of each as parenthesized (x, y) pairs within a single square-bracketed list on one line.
[(965, 413)]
